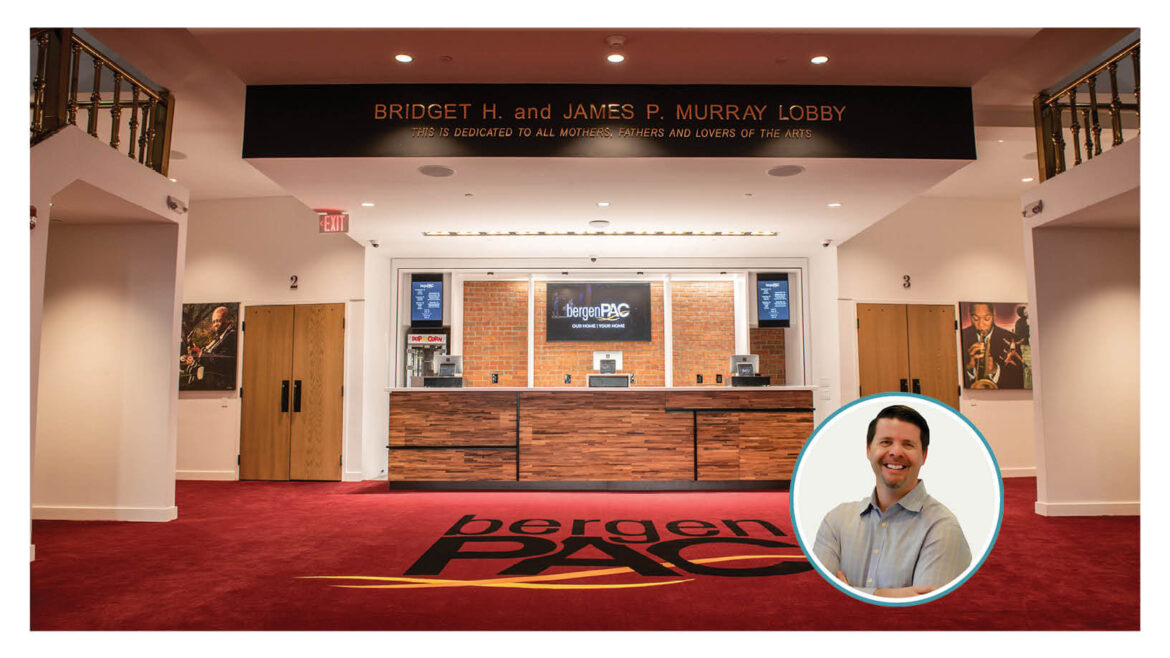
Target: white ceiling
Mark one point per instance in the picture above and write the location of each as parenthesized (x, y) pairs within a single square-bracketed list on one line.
[(208, 69)]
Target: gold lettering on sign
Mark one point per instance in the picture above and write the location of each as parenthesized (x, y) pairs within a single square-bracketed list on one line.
[(534, 112), (448, 111), (601, 111), (812, 113), (719, 112)]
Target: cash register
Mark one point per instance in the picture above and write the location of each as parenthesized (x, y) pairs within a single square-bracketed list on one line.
[(745, 370), (450, 372)]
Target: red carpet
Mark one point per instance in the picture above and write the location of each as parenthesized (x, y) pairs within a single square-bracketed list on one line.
[(237, 558)]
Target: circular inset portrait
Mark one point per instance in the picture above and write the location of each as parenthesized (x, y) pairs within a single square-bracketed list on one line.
[(896, 499)]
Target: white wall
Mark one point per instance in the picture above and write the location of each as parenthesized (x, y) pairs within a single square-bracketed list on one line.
[(954, 250), (1088, 382), (377, 376), (106, 437), (1084, 255), (141, 487), (245, 250)]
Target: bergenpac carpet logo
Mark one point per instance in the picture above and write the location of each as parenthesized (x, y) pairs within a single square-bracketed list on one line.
[(644, 553)]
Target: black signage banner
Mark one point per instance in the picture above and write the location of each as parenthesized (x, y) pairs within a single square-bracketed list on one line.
[(597, 312), (560, 120)]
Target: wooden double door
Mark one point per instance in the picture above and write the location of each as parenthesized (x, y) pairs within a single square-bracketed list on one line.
[(291, 421), (908, 348)]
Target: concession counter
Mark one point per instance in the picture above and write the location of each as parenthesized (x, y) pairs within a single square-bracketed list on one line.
[(607, 438)]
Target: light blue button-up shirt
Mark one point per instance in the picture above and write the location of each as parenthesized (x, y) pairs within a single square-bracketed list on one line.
[(916, 541)]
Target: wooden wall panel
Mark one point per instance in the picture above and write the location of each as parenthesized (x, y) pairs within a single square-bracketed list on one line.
[(441, 418), (605, 435), (751, 445), (452, 465), (739, 398)]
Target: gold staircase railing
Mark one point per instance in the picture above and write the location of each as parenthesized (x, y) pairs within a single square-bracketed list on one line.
[(144, 114), (1083, 112)]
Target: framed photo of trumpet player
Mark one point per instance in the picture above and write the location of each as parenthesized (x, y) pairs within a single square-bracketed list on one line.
[(995, 353), (207, 350)]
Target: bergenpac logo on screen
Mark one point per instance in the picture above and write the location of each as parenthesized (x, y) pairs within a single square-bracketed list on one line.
[(606, 312)]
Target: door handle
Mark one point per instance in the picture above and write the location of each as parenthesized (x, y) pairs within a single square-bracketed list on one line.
[(917, 387), (902, 385), (297, 396), (284, 396)]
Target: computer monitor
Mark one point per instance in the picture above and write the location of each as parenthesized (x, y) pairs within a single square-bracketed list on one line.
[(607, 362), (741, 363), (449, 365)]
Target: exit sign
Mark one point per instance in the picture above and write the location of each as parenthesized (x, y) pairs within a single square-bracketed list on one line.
[(333, 222)]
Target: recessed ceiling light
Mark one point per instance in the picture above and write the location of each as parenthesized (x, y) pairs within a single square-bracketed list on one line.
[(436, 171), (1027, 180), (834, 205), (367, 204), (173, 180), (819, 59), (615, 43), (1000, 141), (785, 170), (404, 58), (599, 223), (602, 204)]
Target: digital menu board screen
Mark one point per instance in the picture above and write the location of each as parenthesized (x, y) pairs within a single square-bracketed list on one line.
[(426, 300), (772, 299)]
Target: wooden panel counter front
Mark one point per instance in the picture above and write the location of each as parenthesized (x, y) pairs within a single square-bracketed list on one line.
[(642, 438)]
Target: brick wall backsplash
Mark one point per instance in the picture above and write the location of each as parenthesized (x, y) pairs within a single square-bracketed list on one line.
[(768, 343), (495, 332), (643, 360), (703, 314), (495, 338)]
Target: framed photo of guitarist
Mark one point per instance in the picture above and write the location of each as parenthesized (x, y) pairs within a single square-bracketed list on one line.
[(996, 353), (207, 353)]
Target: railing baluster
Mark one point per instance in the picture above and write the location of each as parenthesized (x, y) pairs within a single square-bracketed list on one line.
[(148, 146), (38, 121), (75, 49), (1088, 134), (1115, 104), (133, 118), (1057, 139), (1137, 94), (1074, 125), (1096, 118), (95, 97), (116, 112), (142, 133)]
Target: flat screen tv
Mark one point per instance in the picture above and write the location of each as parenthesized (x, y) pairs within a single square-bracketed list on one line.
[(597, 312), (426, 300), (772, 299)]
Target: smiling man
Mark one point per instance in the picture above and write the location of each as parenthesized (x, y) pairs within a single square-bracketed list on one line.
[(898, 541)]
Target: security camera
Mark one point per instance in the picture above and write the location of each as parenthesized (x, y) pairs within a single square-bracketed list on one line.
[(375, 244), (826, 242), (1034, 209), (593, 259), (176, 205)]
